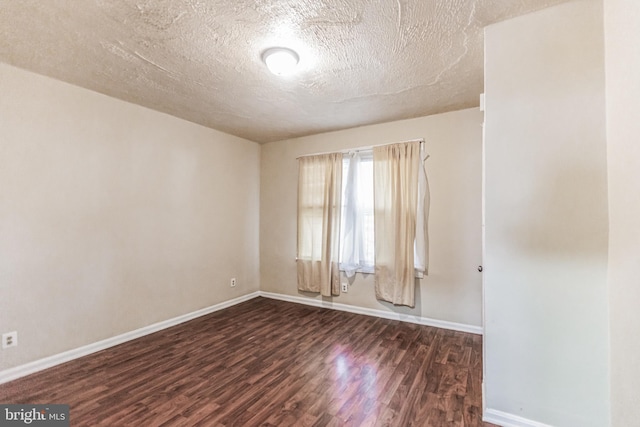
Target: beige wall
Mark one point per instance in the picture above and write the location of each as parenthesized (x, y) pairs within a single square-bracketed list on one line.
[(113, 216), (546, 330), (623, 134), (453, 290)]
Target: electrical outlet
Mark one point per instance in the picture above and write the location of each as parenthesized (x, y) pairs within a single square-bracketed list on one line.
[(233, 282), (345, 287), (10, 339)]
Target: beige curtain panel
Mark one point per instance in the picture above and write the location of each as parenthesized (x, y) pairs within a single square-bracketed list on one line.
[(396, 169), (319, 209)]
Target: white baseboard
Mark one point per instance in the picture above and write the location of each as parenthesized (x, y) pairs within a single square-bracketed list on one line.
[(377, 313), (57, 359), (506, 419)]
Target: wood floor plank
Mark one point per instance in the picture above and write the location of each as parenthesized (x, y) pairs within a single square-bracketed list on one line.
[(272, 363)]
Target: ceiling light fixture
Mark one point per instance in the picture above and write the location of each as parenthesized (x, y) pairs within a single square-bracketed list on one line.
[(281, 61)]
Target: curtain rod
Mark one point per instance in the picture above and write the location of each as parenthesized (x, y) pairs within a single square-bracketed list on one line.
[(365, 148)]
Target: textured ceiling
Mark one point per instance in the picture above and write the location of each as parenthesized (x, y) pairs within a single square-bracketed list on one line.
[(361, 61)]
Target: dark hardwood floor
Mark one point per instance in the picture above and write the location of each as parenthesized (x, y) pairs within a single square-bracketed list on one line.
[(271, 363)]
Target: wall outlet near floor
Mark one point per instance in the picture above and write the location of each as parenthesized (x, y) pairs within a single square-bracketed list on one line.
[(345, 287), (233, 282), (10, 339)]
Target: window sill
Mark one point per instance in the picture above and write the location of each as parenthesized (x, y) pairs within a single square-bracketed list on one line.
[(371, 270), (364, 270)]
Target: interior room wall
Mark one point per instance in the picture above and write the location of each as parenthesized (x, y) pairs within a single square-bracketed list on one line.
[(546, 222), (114, 216), (453, 290), (622, 53)]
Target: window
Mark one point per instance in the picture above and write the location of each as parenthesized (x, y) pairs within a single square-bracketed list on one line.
[(357, 242), (336, 225), (317, 203), (357, 226)]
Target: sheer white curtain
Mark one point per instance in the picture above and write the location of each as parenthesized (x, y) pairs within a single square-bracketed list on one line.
[(396, 172), (357, 195), (319, 208), (422, 220)]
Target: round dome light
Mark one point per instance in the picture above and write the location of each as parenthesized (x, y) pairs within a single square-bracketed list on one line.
[(280, 61)]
